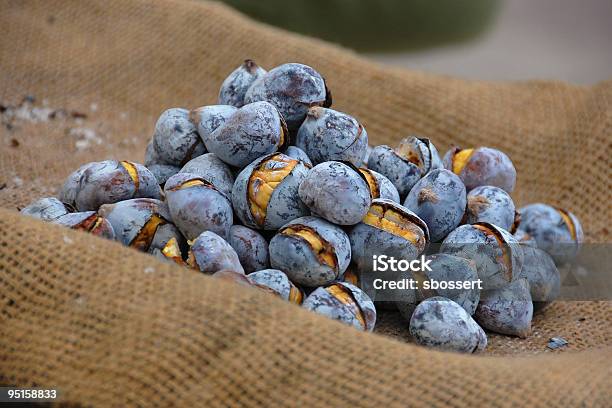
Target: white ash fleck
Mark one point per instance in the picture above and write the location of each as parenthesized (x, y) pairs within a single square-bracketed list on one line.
[(80, 300), (86, 137), (123, 115), (18, 181), (149, 269), (68, 240), (93, 107)]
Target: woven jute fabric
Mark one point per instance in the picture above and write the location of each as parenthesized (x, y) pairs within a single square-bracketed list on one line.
[(108, 326)]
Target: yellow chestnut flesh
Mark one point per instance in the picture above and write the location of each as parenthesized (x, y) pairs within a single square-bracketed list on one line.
[(296, 296), (262, 182), (345, 297), (505, 257), (393, 222), (172, 251), (406, 151), (131, 169), (460, 159), (142, 241), (320, 247), (372, 183), (568, 221)]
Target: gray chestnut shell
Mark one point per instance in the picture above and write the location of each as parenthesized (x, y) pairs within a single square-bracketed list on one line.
[(108, 182), (444, 268), (130, 216), (84, 221), (209, 118), (297, 153), (251, 247), (176, 139), (296, 257), (198, 208), (322, 302), (367, 240), (336, 192), (440, 323), (402, 173), (212, 169), (498, 256), (327, 135), (439, 198), (546, 226), (485, 167), (163, 172), (210, 253), (275, 280), (293, 88), (46, 209), (386, 189), (542, 275), (284, 204), (507, 310), (235, 86), (490, 204), (252, 131)]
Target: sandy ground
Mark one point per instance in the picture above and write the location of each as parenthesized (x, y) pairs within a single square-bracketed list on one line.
[(567, 40)]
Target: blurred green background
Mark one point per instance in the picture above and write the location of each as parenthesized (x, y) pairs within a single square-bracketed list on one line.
[(377, 25), (567, 40)]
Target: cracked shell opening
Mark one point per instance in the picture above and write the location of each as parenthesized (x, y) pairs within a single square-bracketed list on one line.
[(460, 159), (262, 182), (133, 172), (372, 182), (142, 241), (506, 258), (410, 152), (172, 251), (346, 297), (323, 250), (569, 222), (295, 295), (391, 220)]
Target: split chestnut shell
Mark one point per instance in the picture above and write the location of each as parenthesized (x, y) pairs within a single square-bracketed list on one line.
[(311, 251), (265, 194)]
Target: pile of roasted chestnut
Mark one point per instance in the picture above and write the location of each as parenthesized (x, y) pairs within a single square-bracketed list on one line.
[(273, 189)]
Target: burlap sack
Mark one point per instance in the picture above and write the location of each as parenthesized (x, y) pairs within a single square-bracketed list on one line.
[(109, 326)]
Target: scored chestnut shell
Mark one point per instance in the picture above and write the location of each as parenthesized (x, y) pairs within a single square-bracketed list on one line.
[(212, 169), (497, 254), (327, 135), (88, 221), (482, 166), (380, 186), (108, 182), (237, 83), (46, 209), (255, 130), (493, 205), (404, 166), (196, 205), (311, 251), (142, 223), (278, 283), (344, 302), (265, 194), (293, 88), (387, 229)]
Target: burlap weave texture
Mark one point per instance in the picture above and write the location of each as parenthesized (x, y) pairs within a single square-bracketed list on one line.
[(109, 326)]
